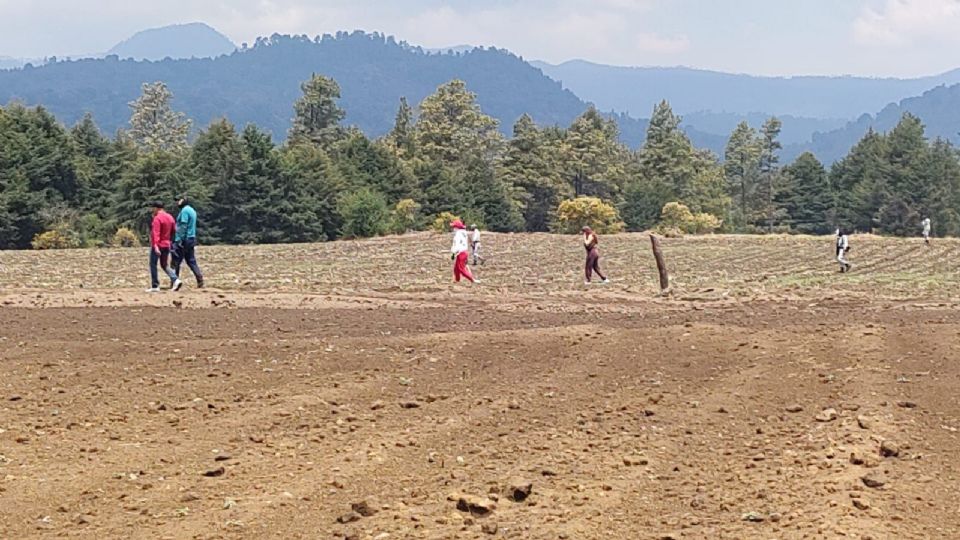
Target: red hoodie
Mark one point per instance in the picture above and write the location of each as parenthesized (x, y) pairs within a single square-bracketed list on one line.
[(162, 230)]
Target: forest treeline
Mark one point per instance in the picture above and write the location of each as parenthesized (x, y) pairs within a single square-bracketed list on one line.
[(72, 187)]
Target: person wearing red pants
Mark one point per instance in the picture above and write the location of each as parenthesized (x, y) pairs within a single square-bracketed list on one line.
[(590, 241), (459, 252)]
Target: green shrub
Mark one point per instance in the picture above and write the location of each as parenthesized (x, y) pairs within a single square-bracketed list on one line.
[(574, 214), (406, 216), (125, 238), (441, 223), (676, 219), (364, 214), (60, 238)]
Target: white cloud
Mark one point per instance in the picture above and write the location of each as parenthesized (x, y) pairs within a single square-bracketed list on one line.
[(909, 22)]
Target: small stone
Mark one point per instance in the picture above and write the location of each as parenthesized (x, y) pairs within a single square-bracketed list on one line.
[(873, 480), (83, 519), (15, 398), (409, 405), (889, 449), (633, 461), (213, 473), (476, 506), (906, 404), (349, 517), (794, 409), (489, 528), (519, 489), (377, 405), (363, 508), (753, 517), (861, 504), (827, 415), (189, 497), (776, 517), (864, 422), (223, 457)]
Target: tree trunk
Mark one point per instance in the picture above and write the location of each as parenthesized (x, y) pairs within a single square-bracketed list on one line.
[(661, 266)]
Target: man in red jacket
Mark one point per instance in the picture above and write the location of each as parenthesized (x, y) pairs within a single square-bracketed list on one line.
[(161, 235)]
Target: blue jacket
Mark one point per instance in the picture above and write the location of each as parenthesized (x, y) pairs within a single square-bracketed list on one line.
[(186, 224)]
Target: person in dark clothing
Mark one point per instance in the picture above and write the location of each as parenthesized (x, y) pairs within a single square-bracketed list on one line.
[(590, 242), (185, 243)]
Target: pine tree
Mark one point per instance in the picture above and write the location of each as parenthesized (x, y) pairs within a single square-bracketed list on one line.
[(942, 202), (401, 137), (451, 127), (365, 164), (317, 116), (670, 169), (592, 157), (741, 167), (218, 169), (531, 165), (36, 172), (311, 179), (860, 183), (155, 176), (769, 213), (154, 126), (490, 198), (806, 197)]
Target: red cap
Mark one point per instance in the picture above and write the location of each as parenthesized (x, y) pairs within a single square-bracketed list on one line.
[(457, 224)]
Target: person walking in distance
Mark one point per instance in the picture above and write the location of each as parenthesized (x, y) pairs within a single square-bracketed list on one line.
[(590, 242), (185, 243), (843, 246), (475, 245), (926, 230), (161, 232), (459, 251)]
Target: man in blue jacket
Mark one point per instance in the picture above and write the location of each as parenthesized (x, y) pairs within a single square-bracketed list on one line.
[(185, 242)]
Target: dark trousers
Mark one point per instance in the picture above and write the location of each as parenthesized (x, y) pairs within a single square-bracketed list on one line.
[(186, 251), (163, 258), (593, 265)]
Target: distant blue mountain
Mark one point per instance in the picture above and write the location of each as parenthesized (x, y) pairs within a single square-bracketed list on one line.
[(194, 40), (634, 90)]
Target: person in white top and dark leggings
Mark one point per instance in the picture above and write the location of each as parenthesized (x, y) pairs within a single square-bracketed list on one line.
[(843, 246)]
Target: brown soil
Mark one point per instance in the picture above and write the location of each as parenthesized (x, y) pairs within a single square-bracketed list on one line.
[(267, 414)]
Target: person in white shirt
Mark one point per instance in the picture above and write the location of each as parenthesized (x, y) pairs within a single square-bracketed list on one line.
[(843, 246), (458, 252), (475, 245), (926, 230)]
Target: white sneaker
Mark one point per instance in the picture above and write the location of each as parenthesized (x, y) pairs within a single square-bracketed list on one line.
[(476, 281), (587, 283), (606, 281), (176, 285), (153, 290)]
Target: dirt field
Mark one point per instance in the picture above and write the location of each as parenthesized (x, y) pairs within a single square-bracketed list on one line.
[(347, 390)]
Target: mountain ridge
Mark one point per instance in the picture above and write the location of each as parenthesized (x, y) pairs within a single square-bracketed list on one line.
[(187, 40)]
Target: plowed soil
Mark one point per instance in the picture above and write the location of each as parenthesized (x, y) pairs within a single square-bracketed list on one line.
[(348, 391)]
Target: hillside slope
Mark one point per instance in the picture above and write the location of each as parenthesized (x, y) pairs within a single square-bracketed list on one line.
[(260, 84)]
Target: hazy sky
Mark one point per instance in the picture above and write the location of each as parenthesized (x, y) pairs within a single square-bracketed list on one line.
[(868, 37)]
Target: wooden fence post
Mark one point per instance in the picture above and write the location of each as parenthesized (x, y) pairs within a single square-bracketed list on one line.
[(661, 266)]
